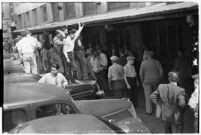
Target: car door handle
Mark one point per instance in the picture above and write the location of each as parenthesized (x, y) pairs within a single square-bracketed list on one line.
[(111, 120)]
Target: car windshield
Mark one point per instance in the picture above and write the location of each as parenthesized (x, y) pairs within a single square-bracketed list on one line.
[(112, 126)]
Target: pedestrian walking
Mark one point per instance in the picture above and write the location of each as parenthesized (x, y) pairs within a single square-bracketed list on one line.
[(68, 49), (130, 77), (150, 74), (26, 49), (169, 100), (99, 64), (91, 74), (80, 58), (54, 77), (116, 78)]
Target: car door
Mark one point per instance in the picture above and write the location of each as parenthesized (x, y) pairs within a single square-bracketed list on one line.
[(82, 91), (14, 116), (111, 109)]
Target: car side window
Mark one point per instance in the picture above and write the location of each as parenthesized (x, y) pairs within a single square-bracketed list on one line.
[(53, 109), (13, 118)]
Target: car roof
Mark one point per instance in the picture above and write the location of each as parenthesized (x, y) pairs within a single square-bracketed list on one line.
[(21, 77), (30, 92), (70, 123)]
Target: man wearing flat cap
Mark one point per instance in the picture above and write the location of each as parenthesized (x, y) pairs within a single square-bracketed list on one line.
[(169, 100), (116, 77)]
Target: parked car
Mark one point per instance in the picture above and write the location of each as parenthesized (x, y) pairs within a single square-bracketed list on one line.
[(71, 124), (12, 66), (28, 101), (87, 90), (21, 77)]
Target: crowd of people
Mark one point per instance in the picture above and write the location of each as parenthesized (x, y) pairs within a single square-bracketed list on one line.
[(67, 62)]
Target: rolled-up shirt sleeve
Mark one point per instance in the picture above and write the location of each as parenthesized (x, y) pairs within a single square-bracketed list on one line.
[(103, 60), (109, 74), (65, 50), (181, 99), (43, 79)]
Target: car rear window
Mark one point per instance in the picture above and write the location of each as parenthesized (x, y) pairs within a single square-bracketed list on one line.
[(53, 109), (13, 118), (119, 115)]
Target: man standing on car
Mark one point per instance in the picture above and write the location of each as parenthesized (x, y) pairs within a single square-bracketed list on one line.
[(26, 48), (80, 60), (68, 48)]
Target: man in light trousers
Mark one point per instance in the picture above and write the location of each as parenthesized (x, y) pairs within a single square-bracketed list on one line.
[(26, 48), (150, 74)]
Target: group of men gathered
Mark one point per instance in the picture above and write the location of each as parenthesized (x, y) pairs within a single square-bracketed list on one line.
[(69, 64)]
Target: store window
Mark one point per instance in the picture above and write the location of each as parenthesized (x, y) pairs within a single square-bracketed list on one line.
[(19, 22), (55, 11), (44, 13), (117, 5), (35, 17), (69, 10), (90, 8), (54, 109), (27, 20)]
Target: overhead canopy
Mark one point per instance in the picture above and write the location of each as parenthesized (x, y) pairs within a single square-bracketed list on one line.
[(140, 14)]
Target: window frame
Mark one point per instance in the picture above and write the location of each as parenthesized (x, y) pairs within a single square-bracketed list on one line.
[(44, 13), (53, 12), (117, 7), (35, 14), (91, 12), (25, 108), (66, 14)]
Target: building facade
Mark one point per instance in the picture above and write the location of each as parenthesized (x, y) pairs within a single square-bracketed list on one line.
[(6, 20), (132, 25)]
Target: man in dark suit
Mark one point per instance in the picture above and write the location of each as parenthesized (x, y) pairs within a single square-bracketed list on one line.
[(169, 100)]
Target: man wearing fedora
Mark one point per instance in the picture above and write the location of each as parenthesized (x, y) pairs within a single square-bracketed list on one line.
[(169, 100)]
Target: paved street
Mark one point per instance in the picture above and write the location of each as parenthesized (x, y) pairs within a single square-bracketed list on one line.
[(156, 125)]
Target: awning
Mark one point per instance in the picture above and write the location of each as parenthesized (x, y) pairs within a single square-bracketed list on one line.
[(120, 15)]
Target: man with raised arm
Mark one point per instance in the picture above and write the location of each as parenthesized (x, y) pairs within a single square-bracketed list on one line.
[(68, 48)]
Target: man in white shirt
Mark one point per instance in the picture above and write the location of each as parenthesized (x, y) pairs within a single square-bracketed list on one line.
[(130, 77), (68, 48), (54, 77), (26, 48)]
